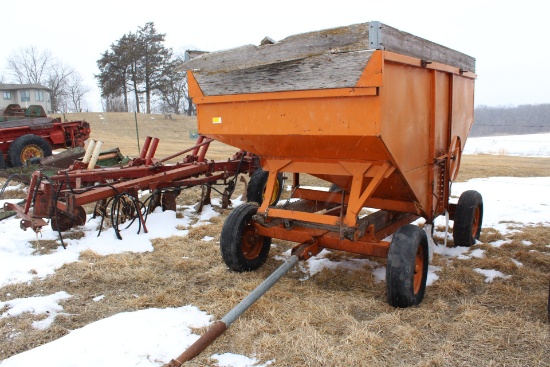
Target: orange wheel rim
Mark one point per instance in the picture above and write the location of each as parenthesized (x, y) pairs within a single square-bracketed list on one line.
[(475, 223), (251, 244), (418, 269), (31, 151)]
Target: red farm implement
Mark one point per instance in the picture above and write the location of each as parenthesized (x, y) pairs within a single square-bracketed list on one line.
[(61, 197), (29, 133)]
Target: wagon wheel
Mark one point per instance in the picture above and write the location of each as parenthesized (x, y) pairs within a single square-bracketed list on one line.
[(62, 222), (468, 218), (26, 147), (453, 158), (407, 267), (242, 249), (255, 191)]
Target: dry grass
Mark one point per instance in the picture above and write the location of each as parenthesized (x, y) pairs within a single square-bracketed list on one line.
[(477, 166), (119, 130), (335, 318)]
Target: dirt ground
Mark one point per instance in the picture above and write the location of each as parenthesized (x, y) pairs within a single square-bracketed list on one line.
[(335, 318)]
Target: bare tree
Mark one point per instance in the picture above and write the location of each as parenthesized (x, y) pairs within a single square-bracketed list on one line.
[(76, 91), (115, 103), (32, 66), (58, 81), (29, 65)]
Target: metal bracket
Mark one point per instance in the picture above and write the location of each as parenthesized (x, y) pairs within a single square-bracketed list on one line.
[(306, 250), (375, 36)]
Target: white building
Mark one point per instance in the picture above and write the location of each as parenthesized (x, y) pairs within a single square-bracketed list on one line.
[(25, 95)]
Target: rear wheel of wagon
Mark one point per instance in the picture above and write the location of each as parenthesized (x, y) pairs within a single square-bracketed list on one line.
[(468, 218), (407, 267), (241, 247), (26, 147), (255, 191)]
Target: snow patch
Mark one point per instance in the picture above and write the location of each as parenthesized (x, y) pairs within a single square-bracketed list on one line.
[(45, 305)]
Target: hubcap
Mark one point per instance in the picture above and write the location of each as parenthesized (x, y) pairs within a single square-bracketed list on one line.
[(251, 244), (418, 270), (31, 151), (475, 223)]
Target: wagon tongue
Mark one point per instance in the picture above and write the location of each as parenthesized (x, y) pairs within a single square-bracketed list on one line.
[(301, 252)]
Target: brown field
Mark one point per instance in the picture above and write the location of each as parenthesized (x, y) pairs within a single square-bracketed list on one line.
[(335, 318), (119, 130)]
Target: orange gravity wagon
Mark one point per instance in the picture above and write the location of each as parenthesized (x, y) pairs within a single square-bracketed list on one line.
[(380, 114)]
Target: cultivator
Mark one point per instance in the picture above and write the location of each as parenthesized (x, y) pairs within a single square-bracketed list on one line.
[(61, 197)]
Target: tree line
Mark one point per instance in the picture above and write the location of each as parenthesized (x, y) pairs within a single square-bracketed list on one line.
[(30, 65), (523, 119), (138, 69)]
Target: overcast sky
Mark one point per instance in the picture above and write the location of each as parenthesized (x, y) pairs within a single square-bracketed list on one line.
[(509, 39)]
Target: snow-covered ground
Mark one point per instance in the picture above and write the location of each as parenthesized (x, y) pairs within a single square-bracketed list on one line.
[(533, 145), (152, 337)]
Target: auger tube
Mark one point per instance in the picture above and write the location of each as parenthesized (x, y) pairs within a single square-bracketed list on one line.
[(219, 327)]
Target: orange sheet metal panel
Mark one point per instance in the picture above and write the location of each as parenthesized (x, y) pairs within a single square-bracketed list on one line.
[(402, 111), (296, 124)]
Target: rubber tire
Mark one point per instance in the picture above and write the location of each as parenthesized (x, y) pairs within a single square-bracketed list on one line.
[(2, 161), (464, 219), (400, 270), (256, 187), (17, 147), (231, 242)]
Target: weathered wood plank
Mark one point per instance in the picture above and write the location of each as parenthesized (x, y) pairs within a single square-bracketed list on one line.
[(331, 58), (350, 38), (315, 72), (404, 43)]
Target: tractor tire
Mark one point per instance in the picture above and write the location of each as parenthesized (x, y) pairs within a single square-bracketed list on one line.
[(26, 147), (241, 248), (256, 187), (2, 161), (468, 218), (407, 267)]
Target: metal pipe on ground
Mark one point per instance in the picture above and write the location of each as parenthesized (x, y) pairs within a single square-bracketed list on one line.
[(219, 327)]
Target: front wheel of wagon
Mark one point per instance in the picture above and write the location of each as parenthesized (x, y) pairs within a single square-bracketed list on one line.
[(468, 218), (241, 247), (407, 267), (255, 191)]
